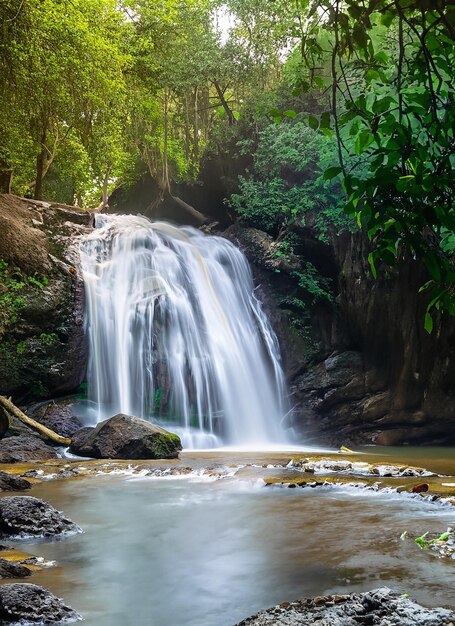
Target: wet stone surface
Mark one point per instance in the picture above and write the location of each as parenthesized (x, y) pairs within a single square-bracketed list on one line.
[(380, 607), (13, 570), (9, 482), (25, 448), (22, 516), (29, 604)]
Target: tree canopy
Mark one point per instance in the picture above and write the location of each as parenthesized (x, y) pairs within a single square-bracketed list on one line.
[(341, 105)]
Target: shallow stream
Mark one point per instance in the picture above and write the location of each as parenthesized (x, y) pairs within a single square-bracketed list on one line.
[(192, 551)]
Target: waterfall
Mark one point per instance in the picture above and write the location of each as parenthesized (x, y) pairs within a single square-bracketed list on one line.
[(176, 334)]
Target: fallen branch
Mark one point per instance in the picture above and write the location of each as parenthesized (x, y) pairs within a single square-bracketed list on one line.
[(47, 432)]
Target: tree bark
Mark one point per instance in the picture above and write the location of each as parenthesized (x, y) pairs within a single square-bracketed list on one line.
[(100, 208), (165, 183), (195, 214), (224, 103), (6, 177), (47, 432), (196, 126), (40, 165)]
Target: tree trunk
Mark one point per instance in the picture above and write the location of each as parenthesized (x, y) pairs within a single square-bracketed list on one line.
[(165, 184), (196, 126), (6, 177), (187, 131), (224, 103), (199, 217), (40, 165), (47, 432), (100, 208)]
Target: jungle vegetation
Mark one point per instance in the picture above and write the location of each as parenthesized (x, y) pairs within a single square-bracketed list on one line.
[(345, 108)]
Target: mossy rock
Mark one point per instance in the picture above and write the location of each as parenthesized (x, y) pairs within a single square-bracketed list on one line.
[(126, 437)]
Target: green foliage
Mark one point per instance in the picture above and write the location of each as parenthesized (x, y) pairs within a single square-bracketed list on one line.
[(423, 542), (287, 182), (392, 107), (11, 301), (47, 339), (61, 77), (38, 281), (13, 284)]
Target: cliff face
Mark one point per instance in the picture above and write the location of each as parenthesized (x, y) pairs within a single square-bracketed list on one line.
[(362, 370), (42, 345)]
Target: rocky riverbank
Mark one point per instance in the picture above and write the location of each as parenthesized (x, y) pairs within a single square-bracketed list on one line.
[(380, 607)]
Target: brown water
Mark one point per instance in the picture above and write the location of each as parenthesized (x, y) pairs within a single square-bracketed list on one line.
[(188, 552)]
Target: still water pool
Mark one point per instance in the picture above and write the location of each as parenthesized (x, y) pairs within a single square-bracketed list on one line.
[(193, 552)]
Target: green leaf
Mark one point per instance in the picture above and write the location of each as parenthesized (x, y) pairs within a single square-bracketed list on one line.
[(331, 172), (372, 264), (387, 18), (290, 113), (360, 36), (428, 325), (431, 261), (313, 122), (420, 541), (325, 120)]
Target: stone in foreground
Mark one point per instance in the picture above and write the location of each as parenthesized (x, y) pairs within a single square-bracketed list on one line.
[(381, 607), (29, 604), (126, 437), (22, 516)]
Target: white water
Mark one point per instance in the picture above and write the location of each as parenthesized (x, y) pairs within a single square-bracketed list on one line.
[(177, 336)]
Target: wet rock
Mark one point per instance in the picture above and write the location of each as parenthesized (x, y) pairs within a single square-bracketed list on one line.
[(27, 603), (126, 437), (381, 607), (59, 415), (13, 570), (25, 515), (25, 448), (9, 482), (421, 488)]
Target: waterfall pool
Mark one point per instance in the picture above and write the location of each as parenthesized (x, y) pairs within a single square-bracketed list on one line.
[(193, 551)]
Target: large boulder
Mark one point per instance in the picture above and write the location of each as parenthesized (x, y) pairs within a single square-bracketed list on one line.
[(24, 448), (381, 607), (29, 604), (23, 516), (126, 437)]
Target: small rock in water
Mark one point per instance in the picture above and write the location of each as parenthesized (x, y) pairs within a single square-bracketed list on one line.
[(29, 604), (381, 607), (13, 570), (420, 488), (25, 515), (9, 482), (126, 437)]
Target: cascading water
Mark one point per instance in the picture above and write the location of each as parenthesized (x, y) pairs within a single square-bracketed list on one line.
[(177, 336)]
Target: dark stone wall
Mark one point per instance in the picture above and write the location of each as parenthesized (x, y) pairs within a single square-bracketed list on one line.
[(364, 370)]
